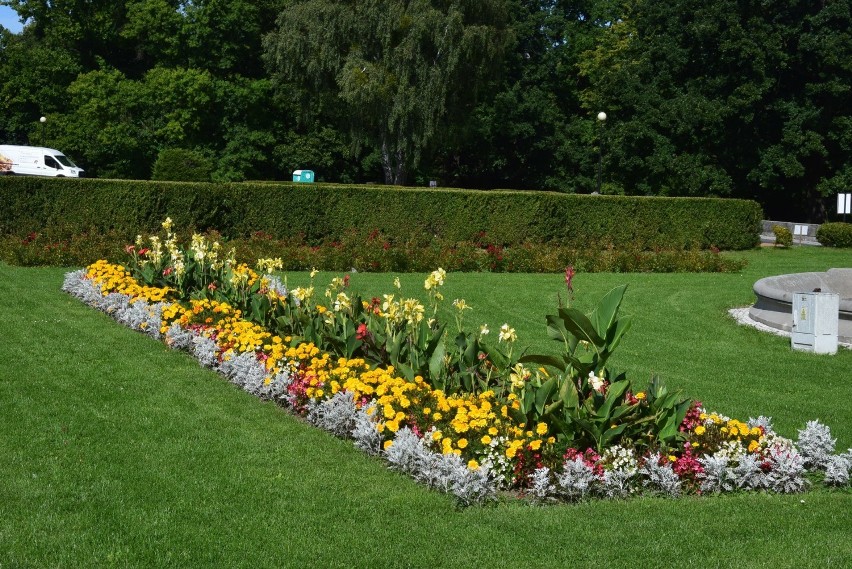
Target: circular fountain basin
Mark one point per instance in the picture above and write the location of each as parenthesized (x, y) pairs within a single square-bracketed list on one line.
[(774, 306)]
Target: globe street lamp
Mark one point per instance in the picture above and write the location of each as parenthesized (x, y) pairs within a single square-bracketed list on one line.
[(601, 120), (42, 120)]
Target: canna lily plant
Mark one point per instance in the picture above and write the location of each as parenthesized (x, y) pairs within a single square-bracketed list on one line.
[(584, 408)]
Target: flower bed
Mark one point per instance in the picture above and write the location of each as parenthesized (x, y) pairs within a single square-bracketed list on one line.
[(467, 416)]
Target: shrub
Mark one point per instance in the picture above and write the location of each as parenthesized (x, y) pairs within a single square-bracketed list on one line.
[(181, 165), (319, 213), (783, 237), (835, 234)]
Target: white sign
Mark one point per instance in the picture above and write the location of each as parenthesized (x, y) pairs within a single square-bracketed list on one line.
[(844, 203)]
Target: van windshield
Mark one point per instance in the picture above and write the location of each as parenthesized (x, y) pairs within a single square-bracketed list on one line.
[(62, 159)]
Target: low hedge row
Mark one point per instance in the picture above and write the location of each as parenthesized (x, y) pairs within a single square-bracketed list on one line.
[(323, 212), (837, 234)]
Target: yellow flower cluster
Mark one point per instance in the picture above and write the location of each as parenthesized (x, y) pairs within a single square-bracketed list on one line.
[(463, 423), (115, 278), (716, 429)]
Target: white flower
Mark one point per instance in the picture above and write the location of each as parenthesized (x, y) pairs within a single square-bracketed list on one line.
[(461, 305), (483, 330), (314, 272), (595, 381), (507, 334), (397, 284)]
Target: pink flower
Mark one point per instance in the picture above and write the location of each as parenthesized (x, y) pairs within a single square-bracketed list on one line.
[(569, 275)]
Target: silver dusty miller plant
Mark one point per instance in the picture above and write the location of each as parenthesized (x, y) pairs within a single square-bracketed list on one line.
[(815, 444), (336, 414), (659, 477), (577, 480)]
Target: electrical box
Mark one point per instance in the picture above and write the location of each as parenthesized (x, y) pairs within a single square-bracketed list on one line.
[(815, 322), (303, 176)]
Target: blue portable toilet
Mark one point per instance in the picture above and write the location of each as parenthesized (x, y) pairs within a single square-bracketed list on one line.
[(303, 176)]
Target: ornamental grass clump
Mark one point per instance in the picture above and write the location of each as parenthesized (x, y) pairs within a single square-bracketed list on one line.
[(454, 410)]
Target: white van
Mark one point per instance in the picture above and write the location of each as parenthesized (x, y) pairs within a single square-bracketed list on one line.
[(37, 161)]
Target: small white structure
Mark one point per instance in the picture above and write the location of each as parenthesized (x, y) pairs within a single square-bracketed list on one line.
[(815, 322)]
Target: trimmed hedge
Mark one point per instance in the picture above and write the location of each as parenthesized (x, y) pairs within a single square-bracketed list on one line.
[(324, 212), (837, 234)]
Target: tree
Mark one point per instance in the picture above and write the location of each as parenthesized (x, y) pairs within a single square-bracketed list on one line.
[(395, 66), (731, 98)]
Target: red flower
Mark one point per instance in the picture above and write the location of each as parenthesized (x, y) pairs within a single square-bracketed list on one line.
[(362, 333), (129, 249), (211, 286), (569, 275), (144, 251), (168, 271)]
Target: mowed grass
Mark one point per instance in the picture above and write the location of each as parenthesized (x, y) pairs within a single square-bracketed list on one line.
[(115, 451)]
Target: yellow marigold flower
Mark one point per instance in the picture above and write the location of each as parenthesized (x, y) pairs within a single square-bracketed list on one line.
[(672, 458), (492, 431), (437, 417), (436, 435), (486, 440), (462, 443), (700, 430), (640, 396), (536, 444), (511, 452), (541, 428), (472, 464), (753, 446), (388, 444), (392, 426)]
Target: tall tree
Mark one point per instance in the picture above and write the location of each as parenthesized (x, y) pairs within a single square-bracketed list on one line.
[(395, 66), (741, 98)]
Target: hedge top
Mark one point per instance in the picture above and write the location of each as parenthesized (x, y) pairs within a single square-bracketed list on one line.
[(322, 212)]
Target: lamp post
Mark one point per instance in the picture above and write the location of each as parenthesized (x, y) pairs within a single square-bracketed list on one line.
[(601, 120), (42, 120)]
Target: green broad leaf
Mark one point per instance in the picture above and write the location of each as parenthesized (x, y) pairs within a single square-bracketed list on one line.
[(617, 332), (551, 361), (517, 415), (553, 407), (543, 393), (352, 344), (407, 371), (611, 433), (604, 314), (568, 394), (471, 353), (591, 428), (556, 329), (436, 362), (613, 394), (580, 326)]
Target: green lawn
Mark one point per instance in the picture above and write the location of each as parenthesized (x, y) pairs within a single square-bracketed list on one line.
[(115, 451)]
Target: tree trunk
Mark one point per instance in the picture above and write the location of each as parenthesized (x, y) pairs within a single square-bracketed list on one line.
[(393, 164)]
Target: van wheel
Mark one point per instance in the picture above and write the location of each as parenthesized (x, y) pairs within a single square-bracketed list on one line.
[(60, 176)]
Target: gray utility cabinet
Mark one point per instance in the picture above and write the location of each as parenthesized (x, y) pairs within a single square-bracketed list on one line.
[(815, 322)]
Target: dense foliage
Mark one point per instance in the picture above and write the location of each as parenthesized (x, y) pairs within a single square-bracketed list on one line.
[(835, 234), (743, 99), (317, 213)]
